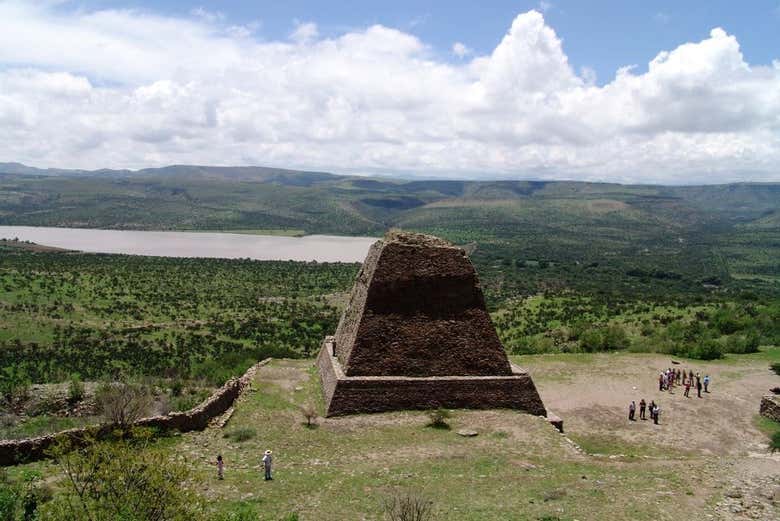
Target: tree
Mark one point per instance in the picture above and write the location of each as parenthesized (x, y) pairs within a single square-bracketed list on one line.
[(123, 480), (123, 403)]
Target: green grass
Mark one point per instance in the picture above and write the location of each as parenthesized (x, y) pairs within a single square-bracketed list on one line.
[(767, 426), (44, 424), (516, 468), (599, 444)]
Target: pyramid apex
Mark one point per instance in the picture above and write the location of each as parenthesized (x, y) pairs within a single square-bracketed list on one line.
[(416, 239)]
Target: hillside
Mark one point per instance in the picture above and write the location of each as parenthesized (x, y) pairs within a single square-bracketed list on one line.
[(616, 237)]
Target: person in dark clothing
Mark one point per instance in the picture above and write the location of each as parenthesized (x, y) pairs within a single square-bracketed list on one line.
[(632, 411), (642, 409), (687, 388), (698, 386), (652, 408)]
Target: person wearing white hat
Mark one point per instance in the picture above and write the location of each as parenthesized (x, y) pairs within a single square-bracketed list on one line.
[(267, 462)]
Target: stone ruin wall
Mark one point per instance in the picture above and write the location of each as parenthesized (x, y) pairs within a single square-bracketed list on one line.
[(13, 452), (353, 395)]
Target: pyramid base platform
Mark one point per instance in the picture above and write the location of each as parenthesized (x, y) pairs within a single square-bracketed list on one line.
[(367, 394)]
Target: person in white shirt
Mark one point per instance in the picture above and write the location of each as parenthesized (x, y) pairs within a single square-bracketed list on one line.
[(267, 462)]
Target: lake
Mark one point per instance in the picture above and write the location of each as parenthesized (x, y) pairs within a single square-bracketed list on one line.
[(320, 248)]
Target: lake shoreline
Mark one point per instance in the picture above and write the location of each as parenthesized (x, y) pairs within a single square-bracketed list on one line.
[(197, 244)]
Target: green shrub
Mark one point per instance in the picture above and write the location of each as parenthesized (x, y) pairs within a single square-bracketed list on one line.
[(408, 507), (14, 386), (242, 434), (75, 389), (20, 499), (177, 386), (706, 350), (146, 484), (438, 418)]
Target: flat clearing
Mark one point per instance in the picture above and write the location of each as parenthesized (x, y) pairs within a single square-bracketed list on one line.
[(518, 467)]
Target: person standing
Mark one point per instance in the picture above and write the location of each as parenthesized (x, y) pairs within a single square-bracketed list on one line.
[(632, 411), (220, 467), (661, 382), (656, 413), (267, 463), (652, 409), (706, 382), (687, 388), (642, 409), (698, 386)]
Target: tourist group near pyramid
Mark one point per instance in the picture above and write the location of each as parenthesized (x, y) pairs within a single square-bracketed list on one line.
[(416, 335)]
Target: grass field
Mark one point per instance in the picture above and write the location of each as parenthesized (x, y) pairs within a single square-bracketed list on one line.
[(518, 467)]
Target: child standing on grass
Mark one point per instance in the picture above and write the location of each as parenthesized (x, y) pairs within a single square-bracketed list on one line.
[(220, 467), (267, 462)]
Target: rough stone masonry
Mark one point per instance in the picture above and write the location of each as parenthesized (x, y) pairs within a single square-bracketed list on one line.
[(416, 335)]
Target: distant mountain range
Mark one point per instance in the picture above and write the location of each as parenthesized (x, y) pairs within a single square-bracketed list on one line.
[(709, 231)]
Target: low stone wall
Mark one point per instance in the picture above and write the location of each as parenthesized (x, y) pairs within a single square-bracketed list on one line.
[(13, 452), (365, 394), (770, 407)]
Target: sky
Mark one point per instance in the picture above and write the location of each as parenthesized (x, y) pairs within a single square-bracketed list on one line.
[(632, 92)]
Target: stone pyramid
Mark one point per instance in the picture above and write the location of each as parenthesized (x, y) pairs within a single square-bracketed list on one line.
[(417, 310), (416, 335)]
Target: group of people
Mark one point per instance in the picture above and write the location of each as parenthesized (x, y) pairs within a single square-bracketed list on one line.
[(268, 460), (666, 382), (655, 411), (671, 377)]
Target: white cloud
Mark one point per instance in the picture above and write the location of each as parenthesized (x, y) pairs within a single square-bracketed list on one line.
[(460, 50), (126, 88), (305, 32), (208, 16)]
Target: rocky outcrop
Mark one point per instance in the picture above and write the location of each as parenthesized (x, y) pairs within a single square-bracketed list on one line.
[(770, 407), (26, 450)]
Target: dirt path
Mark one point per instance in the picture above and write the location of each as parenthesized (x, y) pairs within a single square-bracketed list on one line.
[(593, 398), (735, 477)]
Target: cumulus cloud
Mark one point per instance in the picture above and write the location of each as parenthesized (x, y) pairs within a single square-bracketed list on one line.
[(129, 88), (460, 50)]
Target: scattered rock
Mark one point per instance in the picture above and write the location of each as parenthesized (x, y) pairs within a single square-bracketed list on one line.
[(734, 493), (467, 433)]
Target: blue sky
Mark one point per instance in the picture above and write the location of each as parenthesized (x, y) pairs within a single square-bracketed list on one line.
[(634, 92), (602, 35)]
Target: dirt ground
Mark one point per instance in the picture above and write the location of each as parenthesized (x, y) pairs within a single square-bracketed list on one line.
[(719, 429)]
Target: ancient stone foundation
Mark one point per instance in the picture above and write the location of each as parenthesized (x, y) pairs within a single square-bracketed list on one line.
[(364, 394), (416, 335)]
